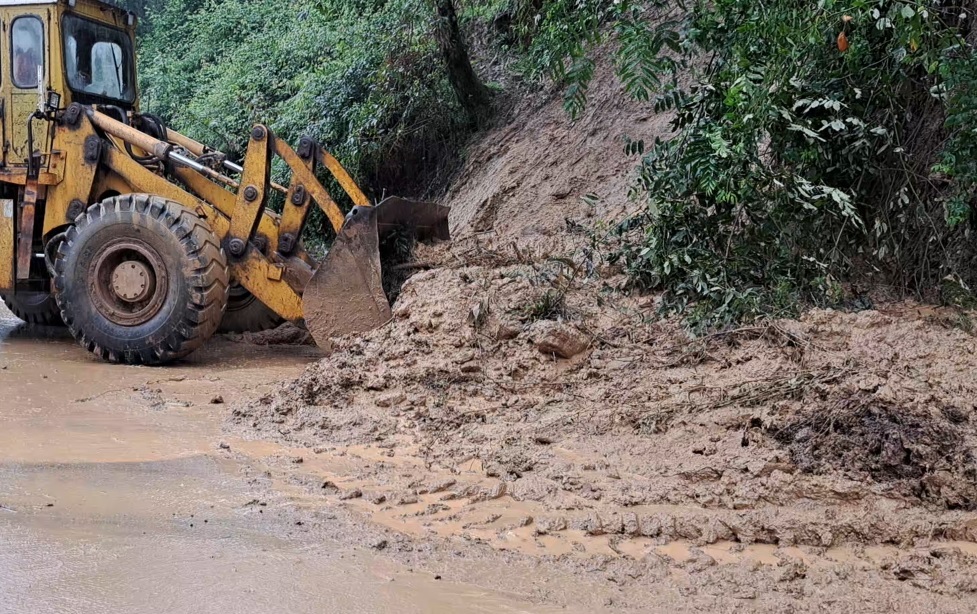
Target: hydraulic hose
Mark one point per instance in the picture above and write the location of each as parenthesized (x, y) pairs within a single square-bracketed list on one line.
[(54, 242)]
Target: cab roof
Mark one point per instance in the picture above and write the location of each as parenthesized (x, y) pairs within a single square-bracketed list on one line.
[(98, 4), (30, 2)]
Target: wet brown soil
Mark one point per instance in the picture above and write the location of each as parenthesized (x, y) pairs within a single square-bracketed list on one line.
[(786, 462)]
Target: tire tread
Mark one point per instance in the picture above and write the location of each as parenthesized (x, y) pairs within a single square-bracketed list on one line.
[(208, 282)]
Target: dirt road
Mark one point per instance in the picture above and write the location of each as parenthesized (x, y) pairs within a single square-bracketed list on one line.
[(117, 494)]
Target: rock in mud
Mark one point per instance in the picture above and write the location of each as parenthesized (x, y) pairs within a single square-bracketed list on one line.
[(391, 400), (286, 334), (437, 487), (563, 340), (632, 526), (545, 526), (698, 561), (507, 332), (592, 525)]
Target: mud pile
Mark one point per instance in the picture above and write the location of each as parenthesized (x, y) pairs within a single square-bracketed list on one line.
[(531, 180), (839, 428)]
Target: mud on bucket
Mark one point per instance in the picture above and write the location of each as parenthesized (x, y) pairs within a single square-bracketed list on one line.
[(346, 293)]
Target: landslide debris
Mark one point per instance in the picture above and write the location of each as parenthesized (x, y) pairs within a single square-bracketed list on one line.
[(521, 399), (821, 431)]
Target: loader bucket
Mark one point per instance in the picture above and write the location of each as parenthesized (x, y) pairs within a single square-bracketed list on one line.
[(345, 295)]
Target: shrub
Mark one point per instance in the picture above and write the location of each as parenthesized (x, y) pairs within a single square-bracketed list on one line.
[(806, 135)]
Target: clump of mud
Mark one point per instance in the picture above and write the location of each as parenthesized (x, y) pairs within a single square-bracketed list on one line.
[(286, 334), (923, 453)]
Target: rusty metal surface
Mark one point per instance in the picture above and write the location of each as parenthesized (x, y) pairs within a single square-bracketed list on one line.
[(132, 281), (129, 281), (251, 196), (129, 134), (345, 296)]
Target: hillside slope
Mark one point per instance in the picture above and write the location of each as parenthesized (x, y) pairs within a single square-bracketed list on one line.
[(522, 181)]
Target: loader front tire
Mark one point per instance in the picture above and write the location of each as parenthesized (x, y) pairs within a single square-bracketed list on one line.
[(38, 308), (141, 280), (246, 314)]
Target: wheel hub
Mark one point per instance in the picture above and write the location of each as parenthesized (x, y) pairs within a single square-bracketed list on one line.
[(132, 281), (128, 281)]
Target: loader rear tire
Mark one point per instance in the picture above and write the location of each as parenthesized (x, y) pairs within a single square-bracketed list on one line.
[(141, 280), (246, 314), (38, 308)]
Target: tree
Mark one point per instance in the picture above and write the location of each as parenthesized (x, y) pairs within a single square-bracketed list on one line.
[(471, 92)]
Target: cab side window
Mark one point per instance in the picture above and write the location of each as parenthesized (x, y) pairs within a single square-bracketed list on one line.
[(27, 42)]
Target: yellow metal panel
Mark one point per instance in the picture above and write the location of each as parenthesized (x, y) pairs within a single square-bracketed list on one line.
[(254, 182), (224, 201), (7, 244), (343, 177), (300, 172), (297, 203), (79, 178)]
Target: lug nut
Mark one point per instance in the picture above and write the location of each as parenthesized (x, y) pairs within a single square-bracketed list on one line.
[(286, 243), (298, 196), (236, 247)]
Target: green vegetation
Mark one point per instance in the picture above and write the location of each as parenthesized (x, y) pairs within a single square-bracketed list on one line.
[(817, 143), (363, 77), (372, 88)]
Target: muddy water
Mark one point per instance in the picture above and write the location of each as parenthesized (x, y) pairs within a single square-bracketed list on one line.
[(114, 496)]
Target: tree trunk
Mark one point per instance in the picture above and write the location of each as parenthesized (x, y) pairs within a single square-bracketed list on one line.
[(472, 94)]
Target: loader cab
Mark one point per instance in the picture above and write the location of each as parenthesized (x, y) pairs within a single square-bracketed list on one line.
[(63, 51)]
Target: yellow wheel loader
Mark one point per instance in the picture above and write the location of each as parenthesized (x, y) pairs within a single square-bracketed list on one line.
[(143, 241)]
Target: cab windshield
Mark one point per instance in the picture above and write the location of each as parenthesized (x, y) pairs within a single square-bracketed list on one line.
[(99, 60)]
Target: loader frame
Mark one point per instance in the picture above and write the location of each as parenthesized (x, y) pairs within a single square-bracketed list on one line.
[(264, 252)]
